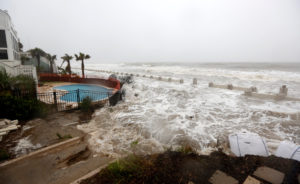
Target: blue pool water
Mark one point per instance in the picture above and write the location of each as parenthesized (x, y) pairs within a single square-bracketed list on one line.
[(93, 91)]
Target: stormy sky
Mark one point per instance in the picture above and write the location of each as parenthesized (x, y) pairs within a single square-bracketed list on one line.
[(161, 30)]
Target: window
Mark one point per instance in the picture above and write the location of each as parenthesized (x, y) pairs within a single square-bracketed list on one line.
[(3, 54), (3, 39)]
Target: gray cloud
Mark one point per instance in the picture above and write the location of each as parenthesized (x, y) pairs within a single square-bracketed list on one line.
[(161, 30)]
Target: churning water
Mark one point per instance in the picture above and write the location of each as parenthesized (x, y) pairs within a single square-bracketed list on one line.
[(157, 115)]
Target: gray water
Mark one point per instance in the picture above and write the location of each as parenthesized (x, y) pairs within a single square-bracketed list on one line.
[(159, 115)]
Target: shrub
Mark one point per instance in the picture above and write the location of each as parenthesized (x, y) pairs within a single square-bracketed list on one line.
[(17, 83), (125, 168), (86, 105), (21, 108), (68, 136), (4, 155), (185, 149)]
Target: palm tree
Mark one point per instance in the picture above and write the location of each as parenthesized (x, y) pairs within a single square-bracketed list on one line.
[(81, 57), (67, 58), (51, 58), (37, 53)]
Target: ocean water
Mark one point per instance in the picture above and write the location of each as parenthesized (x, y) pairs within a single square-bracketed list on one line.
[(159, 115)]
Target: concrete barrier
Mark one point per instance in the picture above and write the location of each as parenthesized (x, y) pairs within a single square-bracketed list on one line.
[(283, 90), (252, 91), (194, 81)]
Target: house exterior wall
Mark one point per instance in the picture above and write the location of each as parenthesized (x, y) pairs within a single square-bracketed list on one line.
[(12, 40)]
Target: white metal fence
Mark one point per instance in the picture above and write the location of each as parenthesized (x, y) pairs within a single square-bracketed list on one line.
[(20, 70)]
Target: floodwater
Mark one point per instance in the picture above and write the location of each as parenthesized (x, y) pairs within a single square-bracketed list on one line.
[(159, 115)]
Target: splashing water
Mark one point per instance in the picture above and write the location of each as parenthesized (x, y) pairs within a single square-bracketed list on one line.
[(158, 115)]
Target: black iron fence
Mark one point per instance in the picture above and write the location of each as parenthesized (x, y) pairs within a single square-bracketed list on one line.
[(67, 100)]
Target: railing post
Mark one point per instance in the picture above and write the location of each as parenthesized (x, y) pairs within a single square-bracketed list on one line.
[(55, 101), (78, 97), (108, 97)]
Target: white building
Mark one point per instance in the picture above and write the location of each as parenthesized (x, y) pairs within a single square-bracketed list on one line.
[(9, 49), (9, 41)]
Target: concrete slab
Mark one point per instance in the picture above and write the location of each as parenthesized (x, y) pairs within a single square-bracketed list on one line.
[(251, 180), (220, 177), (52, 167), (270, 175)]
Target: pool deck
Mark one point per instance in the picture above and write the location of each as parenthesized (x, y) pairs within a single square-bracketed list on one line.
[(48, 86)]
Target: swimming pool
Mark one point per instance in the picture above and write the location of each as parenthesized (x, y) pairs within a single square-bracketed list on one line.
[(84, 90)]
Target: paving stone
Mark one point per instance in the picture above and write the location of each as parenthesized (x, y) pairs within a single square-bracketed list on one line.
[(270, 175), (220, 177), (251, 180)]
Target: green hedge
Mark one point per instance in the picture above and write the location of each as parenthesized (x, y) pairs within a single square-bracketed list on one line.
[(21, 108)]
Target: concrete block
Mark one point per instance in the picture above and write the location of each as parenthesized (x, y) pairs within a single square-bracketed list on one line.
[(248, 93), (210, 84), (169, 79), (151, 77), (220, 177), (2, 124), (14, 122), (251, 180), (181, 81), (7, 121), (230, 86), (159, 78), (253, 89), (270, 175), (283, 90), (194, 81), (144, 75)]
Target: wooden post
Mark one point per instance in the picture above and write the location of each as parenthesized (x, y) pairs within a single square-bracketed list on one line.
[(55, 101)]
